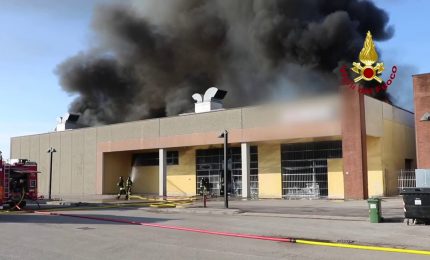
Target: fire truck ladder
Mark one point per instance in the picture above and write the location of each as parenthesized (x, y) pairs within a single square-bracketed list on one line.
[(6, 184)]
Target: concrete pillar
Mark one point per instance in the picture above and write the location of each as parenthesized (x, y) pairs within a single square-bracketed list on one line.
[(245, 170), (162, 173), (354, 145)]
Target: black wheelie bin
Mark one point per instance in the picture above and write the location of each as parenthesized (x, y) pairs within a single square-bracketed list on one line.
[(416, 203)]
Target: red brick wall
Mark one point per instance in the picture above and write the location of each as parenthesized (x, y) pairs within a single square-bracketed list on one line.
[(354, 145), (422, 128)]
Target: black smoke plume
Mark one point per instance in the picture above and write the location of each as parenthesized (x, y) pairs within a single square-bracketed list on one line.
[(149, 57)]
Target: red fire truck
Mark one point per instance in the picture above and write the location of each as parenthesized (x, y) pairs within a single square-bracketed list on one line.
[(18, 183)]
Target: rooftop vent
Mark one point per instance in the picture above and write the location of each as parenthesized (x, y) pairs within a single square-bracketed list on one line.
[(210, 101), (425, 117), (66, 122)]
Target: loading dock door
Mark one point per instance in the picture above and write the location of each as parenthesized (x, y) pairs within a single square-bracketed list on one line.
[(304, 168), (209, 164)]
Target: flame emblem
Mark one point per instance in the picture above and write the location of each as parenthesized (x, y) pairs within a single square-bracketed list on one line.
[(368, 56)]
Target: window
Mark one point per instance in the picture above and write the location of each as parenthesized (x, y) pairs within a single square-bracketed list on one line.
[(409, 164), (145, 159), (152, 158), (172, 158), (253, 171)]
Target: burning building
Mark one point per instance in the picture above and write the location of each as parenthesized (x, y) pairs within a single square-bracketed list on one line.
[(148, 58), (315, 148)]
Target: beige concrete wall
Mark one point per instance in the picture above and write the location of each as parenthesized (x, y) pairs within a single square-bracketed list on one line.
[(378, 111), (204, 122), (335, 179), (387, 154), (115, 165), (146, 180), (55, 141), (25, 146), (181, 178), (134, 130), (269, 170), (77, 163), (374, 117), (398, 145), (15, 147), (66, 162), (89, 161), (386, 157), (34, 147), (74, 164), (43, 164)]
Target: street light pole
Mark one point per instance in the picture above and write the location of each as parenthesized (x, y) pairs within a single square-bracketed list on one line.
[(51, 151), (225, 136)]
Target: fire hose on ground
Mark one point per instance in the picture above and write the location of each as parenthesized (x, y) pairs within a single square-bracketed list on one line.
[(247, 236), (16, 206)]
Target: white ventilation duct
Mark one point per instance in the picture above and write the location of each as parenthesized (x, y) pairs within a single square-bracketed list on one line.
[(66, 122), (210, 101), (425, 117)]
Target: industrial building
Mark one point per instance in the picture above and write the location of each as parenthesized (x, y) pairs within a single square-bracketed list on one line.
[(345, 146)]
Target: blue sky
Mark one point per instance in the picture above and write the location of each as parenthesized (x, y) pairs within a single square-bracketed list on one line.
[(34, 38), (37, 35)]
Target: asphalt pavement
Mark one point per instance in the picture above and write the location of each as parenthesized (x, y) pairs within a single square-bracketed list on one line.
[(37, 236)]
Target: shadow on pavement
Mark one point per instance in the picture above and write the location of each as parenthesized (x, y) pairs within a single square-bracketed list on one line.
[(393, 220), (53, 219)]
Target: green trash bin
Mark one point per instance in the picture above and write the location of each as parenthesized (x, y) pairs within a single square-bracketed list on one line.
[(374, 210)]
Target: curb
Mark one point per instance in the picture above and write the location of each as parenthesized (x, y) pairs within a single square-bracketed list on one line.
[(238, 212), (194, 211), (163, 205), (321, 217)]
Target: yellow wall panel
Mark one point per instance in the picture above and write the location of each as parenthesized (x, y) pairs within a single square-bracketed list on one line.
[(335, 179), (269, 170), (375, 183), (181, 178), (375, 178), (181, 185), (270, 185)]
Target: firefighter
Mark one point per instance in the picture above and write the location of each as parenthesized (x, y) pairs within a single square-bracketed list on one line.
[(128, 185), (14, 185), (21, 185), (121, 187), (204, 186)]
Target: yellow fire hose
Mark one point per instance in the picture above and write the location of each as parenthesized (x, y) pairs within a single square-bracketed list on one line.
[(363, 247), (16, 206)]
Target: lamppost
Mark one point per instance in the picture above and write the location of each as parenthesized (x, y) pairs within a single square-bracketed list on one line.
[(51, 151), (225, 136)]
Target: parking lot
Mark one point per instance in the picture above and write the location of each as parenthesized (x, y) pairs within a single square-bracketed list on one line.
[(110, 234)]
